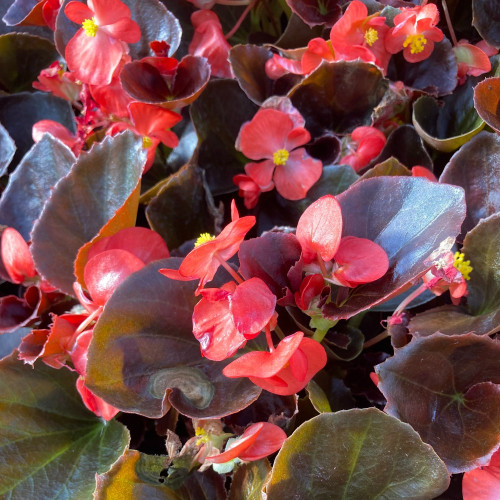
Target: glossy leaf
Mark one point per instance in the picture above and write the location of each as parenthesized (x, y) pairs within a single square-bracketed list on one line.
[(437, 385), (406, 146), (31, 184), (145, 83), (249, 480), (248, 65), (22, 57), (339, 96), (486, 99), (390, 167), (333, 456), (486, 19), (61, 443), (476, 168), (144, 357), (7, 149), (217, 128), (436, 75), (447, 124), (106, 175), (19, 112), (419, 215), (139, 476), (183, 209), (24, 11), (312, 12)]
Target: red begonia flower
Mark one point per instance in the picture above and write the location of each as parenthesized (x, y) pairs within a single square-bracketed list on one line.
[(311, 287), (106, 270), (16, 256), (60, 132), (370, 143), (59, 82), (97, 48), (284, 371), (319, 229), (419, 171), (209, 42), (471, 59), (359, 261), (414, 33), (94, 403), (152, 123), (248, 189), (483, 483), (272, 136), (357, 35), (204, 260), (225, 318), (111, 98), (258, 441), (144, 243)]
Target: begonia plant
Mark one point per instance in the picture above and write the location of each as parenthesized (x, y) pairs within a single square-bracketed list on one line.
[(249, 249)]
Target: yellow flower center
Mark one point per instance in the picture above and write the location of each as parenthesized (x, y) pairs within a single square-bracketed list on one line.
[(203, 238), (146, 142), (90, 27), (371, 36), (462, 266), (280, 157), (416, 43), (203, 437)]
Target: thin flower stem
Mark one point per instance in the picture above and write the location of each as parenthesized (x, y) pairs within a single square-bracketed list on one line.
[(229, 269), (322, 266), (240, 20), (421, 289), (269, 338), (86, 322), (375, 340), (448, 22), (233, 2)]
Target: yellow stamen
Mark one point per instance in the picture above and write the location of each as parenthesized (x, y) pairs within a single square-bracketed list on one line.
[(280, 157), (462, 266), (146, 142), (371, 36), (90, 27), (416, 43), (203, 436), (203, 238)]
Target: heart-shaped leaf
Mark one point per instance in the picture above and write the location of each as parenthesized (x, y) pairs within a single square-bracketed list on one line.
[(146, 329), (98, 185), (22, 57), (7, 149), (51, 446), (32, 182), (339, 96), (437, 385), (486, 99), (420, 215), (476, 168), (356, 454), (217, 128)]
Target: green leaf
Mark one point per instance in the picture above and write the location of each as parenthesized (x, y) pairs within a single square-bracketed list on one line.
[(389, 167), (475, 167), (318, 397), (249, 480), (51, 446), (22, 57), (31, 184), (356, 454), (339, 96), (99, 183), (447, 388), (144, 357)]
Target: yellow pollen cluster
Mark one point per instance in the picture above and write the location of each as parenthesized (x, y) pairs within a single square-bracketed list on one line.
[(462, 266), (146, 142), (280, 157), (371, 36), (203, 238), (416, 43), (90, 27), (203, 436)]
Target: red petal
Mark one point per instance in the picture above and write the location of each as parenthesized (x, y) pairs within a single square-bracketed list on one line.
[(78, 12), (94, 403), (312, 286), (361, 261), (296, 138), (246, 440), (104, 272), (265, 134), (418, 171), (252, 306), (261, 173), (300, 173), (109, 11), (298, 365), (16, 256), (124, 29), (145, 244), (269, 439), (149, 118), (483, 483), (319, 229)]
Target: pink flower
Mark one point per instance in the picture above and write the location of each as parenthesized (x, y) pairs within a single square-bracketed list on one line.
[(370, 142), (483, 483), (54, 79), (471, 59), (273, 136), (60, 132), (96, 50), (249, 190), (414, 33), (16, 256)]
